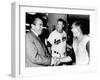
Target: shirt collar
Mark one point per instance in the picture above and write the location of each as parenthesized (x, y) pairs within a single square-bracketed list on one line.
[(34, 32)]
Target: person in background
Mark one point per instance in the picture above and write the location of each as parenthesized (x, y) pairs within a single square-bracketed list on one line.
[(36, 53), (57, 43), (80, 42)]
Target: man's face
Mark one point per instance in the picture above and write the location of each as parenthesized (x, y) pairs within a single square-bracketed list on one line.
[(59, 26), (39, 25), (76, 30)]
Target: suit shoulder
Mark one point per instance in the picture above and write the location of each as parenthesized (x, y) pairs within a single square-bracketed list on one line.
[(28, 35)]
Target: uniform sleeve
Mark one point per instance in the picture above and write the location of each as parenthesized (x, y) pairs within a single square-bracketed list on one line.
[(51, 38), (65, 35)]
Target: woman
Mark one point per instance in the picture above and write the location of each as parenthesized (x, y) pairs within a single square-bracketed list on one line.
[(80, 42)]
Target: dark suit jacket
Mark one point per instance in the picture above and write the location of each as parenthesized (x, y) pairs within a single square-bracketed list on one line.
[(36, 53)]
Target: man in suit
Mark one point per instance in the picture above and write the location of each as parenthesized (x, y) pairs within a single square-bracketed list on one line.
[(36, 53)]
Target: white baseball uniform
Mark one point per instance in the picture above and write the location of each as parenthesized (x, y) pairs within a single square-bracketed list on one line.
[(58, 42)]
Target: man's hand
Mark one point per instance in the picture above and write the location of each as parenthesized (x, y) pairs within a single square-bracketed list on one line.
[(56, 61), (66, 59)]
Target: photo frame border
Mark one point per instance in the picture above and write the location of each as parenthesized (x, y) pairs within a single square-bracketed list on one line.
[(16, 70)]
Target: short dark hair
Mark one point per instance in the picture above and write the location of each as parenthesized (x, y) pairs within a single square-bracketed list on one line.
[(83, 26), (60, 19), (34, 19)]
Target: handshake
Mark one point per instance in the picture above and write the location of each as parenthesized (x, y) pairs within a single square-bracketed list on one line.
[(57, 58), (55, 61)]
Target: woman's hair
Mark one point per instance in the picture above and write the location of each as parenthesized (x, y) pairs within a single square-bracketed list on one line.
[(84, 26)]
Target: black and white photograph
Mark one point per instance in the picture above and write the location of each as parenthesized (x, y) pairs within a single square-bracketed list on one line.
[(52, 40), (56, 39)]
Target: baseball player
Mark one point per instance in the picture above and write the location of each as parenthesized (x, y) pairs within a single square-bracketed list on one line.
[(57, 39)]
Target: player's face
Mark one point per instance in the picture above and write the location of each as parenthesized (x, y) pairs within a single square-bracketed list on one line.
[(76, 30), (59, 26), (39, 25)]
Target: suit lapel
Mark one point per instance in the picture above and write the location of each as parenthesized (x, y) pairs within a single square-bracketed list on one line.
[(44, 49)]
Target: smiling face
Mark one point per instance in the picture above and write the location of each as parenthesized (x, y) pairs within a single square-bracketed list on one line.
[(59, 26), (76, 30)]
